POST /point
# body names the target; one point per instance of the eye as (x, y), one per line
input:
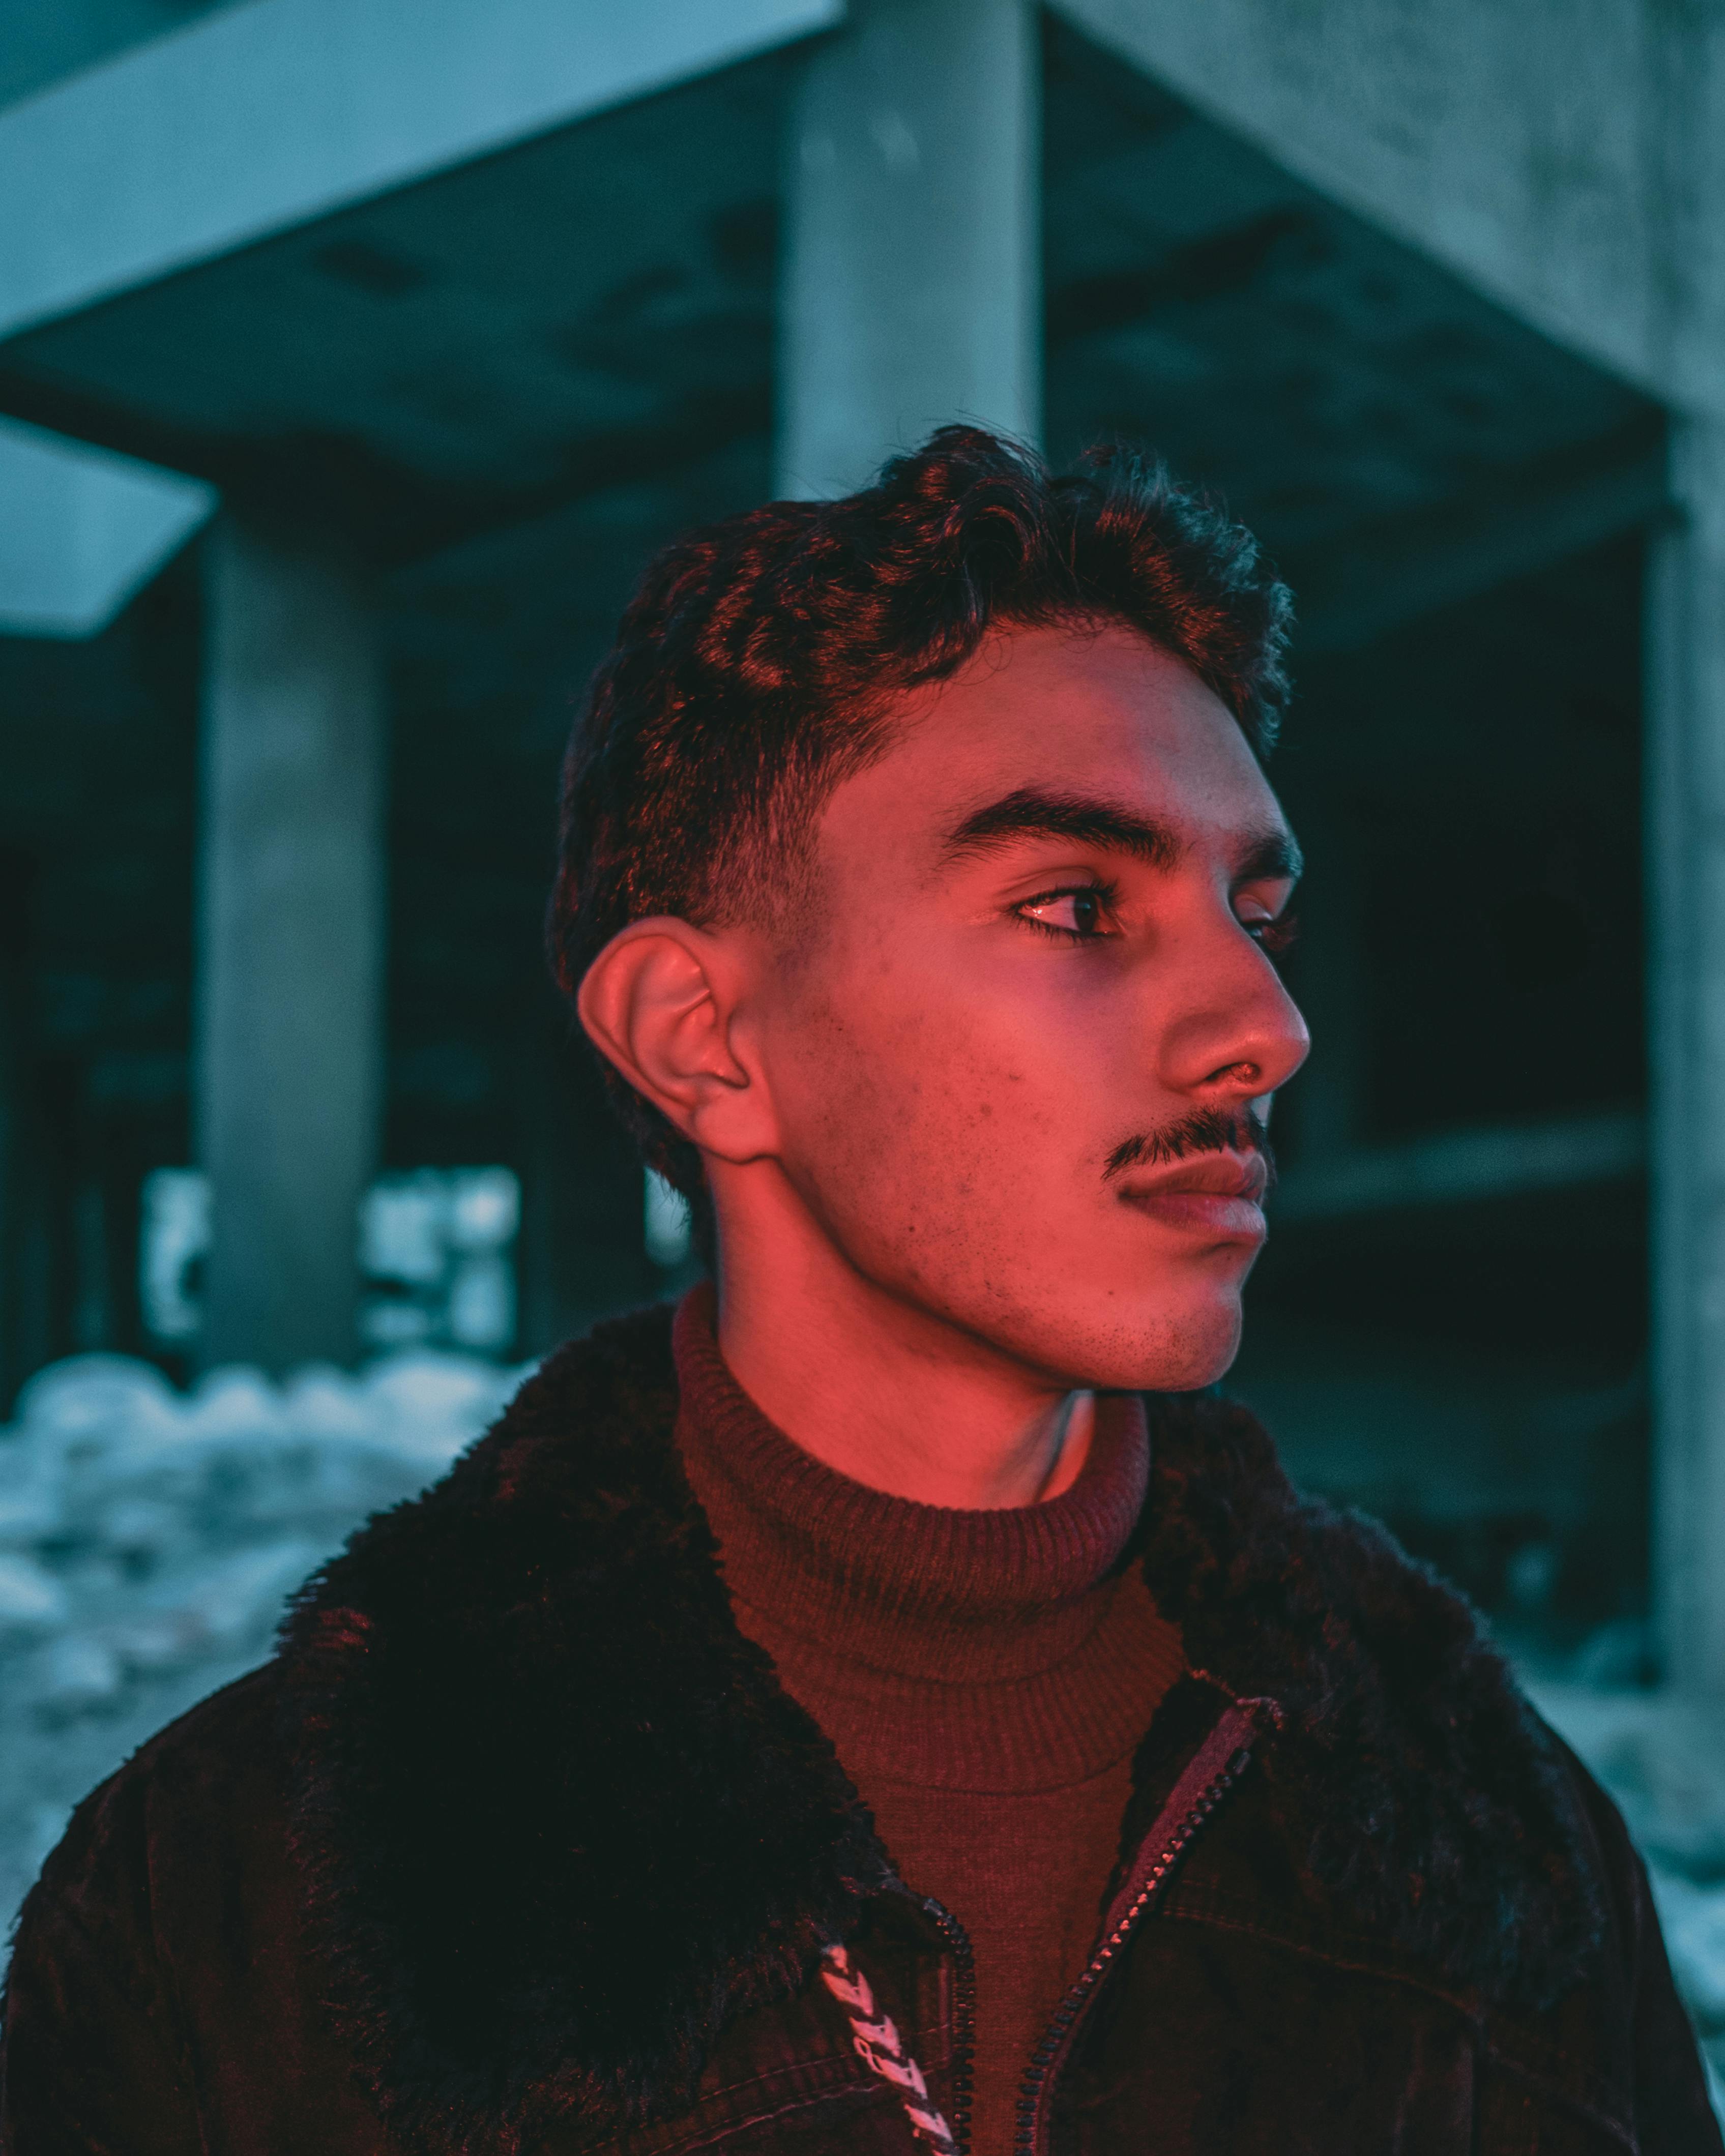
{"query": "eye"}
(1079, 912)
(1274, 936)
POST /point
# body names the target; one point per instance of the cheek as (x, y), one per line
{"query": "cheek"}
(908, 1109)
(957, 1158)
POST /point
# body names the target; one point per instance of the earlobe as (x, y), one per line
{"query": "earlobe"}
(659, 1003)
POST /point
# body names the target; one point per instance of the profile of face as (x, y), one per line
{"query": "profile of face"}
(1005, 1073)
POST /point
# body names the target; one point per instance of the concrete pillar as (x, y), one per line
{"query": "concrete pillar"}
(1685, 848)
(23, 1262)
(290, 942)
(912, 277)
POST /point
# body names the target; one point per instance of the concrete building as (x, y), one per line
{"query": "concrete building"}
(436, 318)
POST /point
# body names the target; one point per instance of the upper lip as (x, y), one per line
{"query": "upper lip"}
(1214, 1174)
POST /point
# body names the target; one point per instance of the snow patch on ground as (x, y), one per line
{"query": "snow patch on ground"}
(149, 1537)
(1663, 1759)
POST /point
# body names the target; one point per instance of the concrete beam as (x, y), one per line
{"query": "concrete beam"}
(44, 41)
(291, 944)
(912, 291)
(1452, 1168)
(263, 117)
(1566, 156)
(1685, 810)
(83, 531)
(1404, 567)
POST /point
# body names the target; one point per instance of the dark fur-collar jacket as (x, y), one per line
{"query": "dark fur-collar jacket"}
(557, 1826)
(480, 1857)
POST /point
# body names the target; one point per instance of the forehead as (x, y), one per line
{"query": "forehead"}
(1099, 712)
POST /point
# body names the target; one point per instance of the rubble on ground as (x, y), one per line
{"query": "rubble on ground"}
(1663, 1758)
(148, 1538)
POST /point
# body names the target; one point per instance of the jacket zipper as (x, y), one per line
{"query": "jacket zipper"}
(1218, 1764)
(964, 2018)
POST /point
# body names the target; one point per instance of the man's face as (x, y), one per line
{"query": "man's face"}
(1035, 1005)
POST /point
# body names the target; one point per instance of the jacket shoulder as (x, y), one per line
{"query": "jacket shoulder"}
(97, 2050)
(187, 1806)
(1421, 1792)
(508, 1700)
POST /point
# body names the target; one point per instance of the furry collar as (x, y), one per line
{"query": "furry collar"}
(559, 1822)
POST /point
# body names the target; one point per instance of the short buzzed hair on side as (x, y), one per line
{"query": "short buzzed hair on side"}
(752, 668)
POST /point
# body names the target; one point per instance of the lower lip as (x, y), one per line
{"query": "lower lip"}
(1204, 1211)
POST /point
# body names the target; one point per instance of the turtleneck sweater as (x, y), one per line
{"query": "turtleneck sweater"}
(985, 1677)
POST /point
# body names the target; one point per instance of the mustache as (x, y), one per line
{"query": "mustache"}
(1205, 1130)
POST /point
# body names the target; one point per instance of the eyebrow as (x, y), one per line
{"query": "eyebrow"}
(1031, 813)
(1272, 856)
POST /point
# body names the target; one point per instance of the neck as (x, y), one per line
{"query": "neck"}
(890, 1395)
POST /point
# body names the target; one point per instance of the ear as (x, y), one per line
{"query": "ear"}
(661, 1002)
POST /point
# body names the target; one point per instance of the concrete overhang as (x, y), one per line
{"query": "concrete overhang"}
(274, 114)
(574, 288)
(425, 268)
(1399, 441)
(83, 531)
(1568, 162)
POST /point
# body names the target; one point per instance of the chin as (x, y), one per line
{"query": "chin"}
(1183, 1364)
(1191, 1366)
(1162, 1345)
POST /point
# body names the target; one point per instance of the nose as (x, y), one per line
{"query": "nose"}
(1241, 1036)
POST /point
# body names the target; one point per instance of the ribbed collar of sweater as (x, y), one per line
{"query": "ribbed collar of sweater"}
(1018, 1635)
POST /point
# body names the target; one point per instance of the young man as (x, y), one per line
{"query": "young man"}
(892, 1701)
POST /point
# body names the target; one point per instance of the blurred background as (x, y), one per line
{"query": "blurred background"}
(354, 355)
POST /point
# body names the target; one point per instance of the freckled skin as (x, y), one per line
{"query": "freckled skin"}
(907, 1099)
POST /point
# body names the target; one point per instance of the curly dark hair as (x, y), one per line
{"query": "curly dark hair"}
(752, 671)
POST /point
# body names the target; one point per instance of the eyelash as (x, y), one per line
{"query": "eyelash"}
(1107, 895)
(1274, 937)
